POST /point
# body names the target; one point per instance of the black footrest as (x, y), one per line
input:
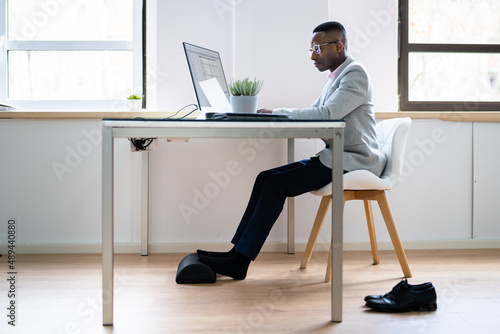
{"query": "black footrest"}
(192, 270)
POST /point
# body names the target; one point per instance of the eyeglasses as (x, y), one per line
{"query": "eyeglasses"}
(317, 48)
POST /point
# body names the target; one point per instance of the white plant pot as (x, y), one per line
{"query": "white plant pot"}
(134, 105)
(244, 104)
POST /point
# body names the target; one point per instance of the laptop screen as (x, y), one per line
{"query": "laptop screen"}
(204, 64)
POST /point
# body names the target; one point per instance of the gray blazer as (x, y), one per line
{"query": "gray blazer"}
(349, 96)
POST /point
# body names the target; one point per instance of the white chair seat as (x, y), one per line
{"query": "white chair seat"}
(359, 180)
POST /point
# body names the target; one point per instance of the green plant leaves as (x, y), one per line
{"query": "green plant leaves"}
(245, 87)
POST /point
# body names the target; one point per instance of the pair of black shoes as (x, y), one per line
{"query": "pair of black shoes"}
(405, 297)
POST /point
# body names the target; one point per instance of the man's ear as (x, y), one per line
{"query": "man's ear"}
(339, 46)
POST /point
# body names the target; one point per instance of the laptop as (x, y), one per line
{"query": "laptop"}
(211, 89)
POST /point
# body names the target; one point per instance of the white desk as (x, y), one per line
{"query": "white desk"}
(219, 129)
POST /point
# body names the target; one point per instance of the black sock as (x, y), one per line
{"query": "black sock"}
(235, 266)
(217, 254)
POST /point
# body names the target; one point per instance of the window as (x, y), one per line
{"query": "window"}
(449, 55)
(70, 55)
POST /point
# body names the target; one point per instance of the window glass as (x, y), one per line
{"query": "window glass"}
(70, 75)
(83, 20)
(454, 21)
(454, 77)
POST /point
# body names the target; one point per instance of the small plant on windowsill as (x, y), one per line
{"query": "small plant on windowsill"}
(134, 103)
(134, 97)
(244, 95)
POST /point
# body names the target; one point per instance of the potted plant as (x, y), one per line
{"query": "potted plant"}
(244, 95)
(134, 103)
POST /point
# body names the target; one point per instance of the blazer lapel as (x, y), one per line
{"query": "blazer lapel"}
(333, 84)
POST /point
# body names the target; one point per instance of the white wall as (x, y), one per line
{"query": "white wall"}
(205, 23)
(50, 170)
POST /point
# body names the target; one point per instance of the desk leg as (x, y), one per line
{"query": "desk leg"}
(291, 205)
(145, 204)
(337, 224)
(107, 226)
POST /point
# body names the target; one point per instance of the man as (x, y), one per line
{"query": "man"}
(346, 95)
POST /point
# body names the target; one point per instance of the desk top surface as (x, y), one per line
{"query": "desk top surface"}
(188, 123)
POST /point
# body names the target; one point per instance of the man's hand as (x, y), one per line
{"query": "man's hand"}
(264, 111)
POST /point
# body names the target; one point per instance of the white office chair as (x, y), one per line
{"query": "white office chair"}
(364, 185)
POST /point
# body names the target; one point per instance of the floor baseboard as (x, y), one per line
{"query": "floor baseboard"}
(268, 247)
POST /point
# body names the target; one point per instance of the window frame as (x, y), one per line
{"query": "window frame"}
(405, 48)
(135, 45)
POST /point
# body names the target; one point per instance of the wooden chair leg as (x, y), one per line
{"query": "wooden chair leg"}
(318, 223)
(393, 233)
(371, 230)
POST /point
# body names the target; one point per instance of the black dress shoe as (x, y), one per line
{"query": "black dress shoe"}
(404, 282)
(402, 298)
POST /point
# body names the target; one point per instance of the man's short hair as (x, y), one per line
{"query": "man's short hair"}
(331, 26)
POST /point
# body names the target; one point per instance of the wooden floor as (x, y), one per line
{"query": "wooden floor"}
(62, 294)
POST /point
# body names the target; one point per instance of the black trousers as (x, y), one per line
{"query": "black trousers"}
(270, 190)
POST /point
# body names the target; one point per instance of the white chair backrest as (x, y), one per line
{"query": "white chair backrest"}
(392, 135)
